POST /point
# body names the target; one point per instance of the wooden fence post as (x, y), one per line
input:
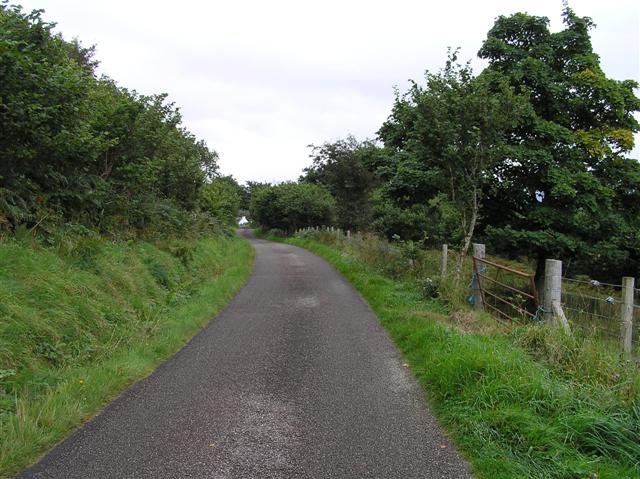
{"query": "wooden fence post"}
(626, 331)
(478, 252)
(443, 261)
(552, 288)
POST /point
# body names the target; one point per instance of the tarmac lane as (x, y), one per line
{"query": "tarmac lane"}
(296, 378)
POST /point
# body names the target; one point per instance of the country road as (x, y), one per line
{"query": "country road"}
(294, 379)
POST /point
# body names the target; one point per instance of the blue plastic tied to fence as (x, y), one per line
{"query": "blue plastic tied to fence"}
(537, 316)
(474, 277)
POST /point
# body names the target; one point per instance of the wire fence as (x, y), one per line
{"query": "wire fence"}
(505, 289)
(597, 307)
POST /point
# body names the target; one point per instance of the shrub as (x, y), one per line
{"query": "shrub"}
(290, 206)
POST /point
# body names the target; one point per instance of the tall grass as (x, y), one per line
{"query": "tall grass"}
(81, 321)
(520, 402)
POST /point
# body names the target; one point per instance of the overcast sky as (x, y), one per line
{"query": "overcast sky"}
(261, 80)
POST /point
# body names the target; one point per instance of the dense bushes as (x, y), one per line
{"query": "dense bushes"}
(75, 148)
(290, 206)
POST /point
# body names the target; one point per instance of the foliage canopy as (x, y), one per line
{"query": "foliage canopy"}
(77, 148)
(289, 206)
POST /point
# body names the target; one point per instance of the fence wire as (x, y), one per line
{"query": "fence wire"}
(635, 338)
(596, 307)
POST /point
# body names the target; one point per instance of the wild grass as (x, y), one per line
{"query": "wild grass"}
(81, 321)
(520, 402)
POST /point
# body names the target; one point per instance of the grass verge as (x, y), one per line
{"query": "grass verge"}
(519, 403)
(82, 321)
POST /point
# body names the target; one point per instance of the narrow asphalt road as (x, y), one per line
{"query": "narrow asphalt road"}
(294, 379)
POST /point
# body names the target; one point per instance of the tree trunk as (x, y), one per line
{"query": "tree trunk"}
(469, 230)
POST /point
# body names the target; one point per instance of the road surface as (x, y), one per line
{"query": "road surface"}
(294, 379)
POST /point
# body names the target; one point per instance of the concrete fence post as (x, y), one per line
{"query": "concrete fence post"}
(478, 252)
(349, 234)
(626, 326)
(443, 260)
(552, 289)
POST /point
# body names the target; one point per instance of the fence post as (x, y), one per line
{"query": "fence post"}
(349, 234)
(626, 331)
(552, 288)
(478, 252)
(443, 261)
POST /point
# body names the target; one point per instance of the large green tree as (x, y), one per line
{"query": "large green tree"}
(449, 135)
(564, 189)
(249, 190)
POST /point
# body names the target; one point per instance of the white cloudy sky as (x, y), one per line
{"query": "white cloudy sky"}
(261, 80)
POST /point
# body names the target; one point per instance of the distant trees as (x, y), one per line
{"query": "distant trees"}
(341, 167)
(75, 148)
(289, 206)
(249, 190)
(221, 197)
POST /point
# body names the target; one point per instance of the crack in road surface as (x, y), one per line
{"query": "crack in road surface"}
(294, 379)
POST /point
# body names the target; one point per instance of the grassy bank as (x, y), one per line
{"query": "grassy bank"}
(520, 402)
(81, 321)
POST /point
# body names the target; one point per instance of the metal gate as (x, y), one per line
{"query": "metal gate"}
(504, 291)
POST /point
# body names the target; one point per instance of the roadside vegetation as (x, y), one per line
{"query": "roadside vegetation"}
(81, 322)
(116, 241)
(519, 400)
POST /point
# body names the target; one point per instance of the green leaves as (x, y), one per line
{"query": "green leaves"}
(558, 179)
(343, 168)
(81, 145)
(446, 138)
(534, 144)
(289, 206)
(221, 198)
